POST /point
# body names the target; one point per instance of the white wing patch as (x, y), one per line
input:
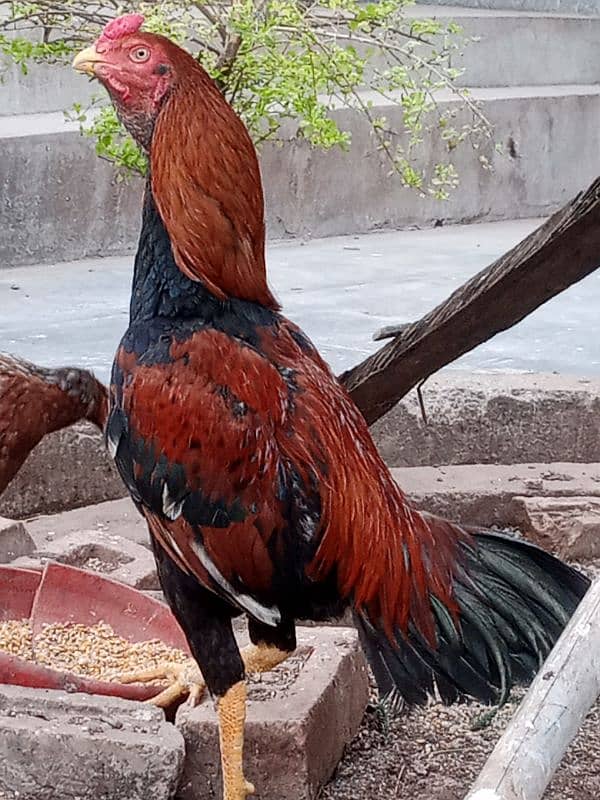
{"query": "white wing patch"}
(270, 615)
(171, 507)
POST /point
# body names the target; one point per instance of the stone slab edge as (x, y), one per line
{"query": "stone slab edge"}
(491, 495)
(54, 744)
(130, 563)
(15, 540)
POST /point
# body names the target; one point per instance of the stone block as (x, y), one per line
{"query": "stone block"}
(295, 739)
(112, 517)
(569, 526)
(15, 540)
(59, 746)
(485, 494)
(68, 469)
(493, 418)
(118, 558)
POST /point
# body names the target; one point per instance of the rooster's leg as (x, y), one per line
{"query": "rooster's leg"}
(185, 679)
(262, 657)
(206, 622)
(270, 646)
(231, 709)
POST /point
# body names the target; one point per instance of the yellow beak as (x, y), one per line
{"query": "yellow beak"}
(85, 61)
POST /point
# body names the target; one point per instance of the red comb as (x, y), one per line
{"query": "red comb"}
(122, 26)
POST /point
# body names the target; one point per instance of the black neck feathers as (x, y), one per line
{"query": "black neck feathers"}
(161, 290)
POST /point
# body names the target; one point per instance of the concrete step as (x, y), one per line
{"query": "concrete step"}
(58, 197)
(60, 202)
(45, 87)
(522, 48)
(514, 49)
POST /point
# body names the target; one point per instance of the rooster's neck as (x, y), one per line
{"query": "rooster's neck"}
(159, 288)
(207, 188)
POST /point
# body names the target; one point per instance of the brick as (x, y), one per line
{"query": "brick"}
(118, 558)
(15, 540)
(293, 743)
(59, 746)
(569, 526)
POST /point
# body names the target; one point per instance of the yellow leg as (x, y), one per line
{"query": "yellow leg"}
(186, 679)
(231, 709)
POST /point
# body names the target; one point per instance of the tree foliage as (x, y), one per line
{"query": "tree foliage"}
(290, 68)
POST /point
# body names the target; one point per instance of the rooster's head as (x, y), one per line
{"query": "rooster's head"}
(138, 70)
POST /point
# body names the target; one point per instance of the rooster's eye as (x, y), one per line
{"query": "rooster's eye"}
(140, 54)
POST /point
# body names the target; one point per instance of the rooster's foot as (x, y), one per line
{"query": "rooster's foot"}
(185, 681)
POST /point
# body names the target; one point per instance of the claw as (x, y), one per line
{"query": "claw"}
(185, 681)
(240, 792)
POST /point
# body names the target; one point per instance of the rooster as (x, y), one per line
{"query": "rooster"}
(35, 401)
(263, 491)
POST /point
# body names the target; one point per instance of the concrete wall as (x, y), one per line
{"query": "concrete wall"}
(583, 7)
(60, 202)
(540, 79)
(45, 88)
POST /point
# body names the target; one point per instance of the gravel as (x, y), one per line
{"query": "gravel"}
(436, 752)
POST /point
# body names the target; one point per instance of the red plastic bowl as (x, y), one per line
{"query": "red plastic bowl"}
(64, 594)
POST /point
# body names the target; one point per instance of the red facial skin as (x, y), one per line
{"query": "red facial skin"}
(138, 73)
(135, 71)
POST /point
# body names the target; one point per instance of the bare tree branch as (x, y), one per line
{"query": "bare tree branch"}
(559, 253)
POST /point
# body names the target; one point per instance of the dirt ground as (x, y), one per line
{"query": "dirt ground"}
(436, 752)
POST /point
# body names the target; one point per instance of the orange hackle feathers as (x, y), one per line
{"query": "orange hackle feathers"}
(208, 188)
(387, 556)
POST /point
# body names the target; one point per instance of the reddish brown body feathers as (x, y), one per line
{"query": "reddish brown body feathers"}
(386, 556)
(208, 195)
(35, 401)
(366, 521)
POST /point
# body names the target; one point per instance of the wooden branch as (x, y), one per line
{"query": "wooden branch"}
(528, 754)
(559, 253)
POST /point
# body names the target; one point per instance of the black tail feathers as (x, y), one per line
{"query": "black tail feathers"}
(514, 600)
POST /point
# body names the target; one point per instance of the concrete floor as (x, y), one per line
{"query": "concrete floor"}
(340, 290)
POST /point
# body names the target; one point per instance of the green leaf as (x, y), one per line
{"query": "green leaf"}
(292, 69)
